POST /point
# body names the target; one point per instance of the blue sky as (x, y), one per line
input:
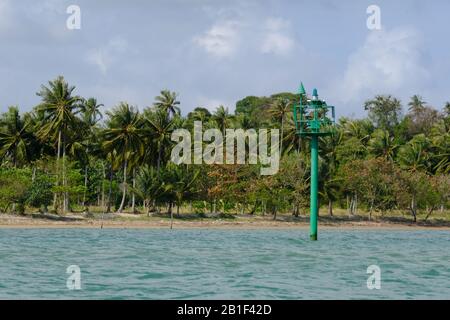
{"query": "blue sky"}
(217, 52)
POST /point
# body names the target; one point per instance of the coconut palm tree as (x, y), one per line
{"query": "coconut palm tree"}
(415, 155)
(149, 187)
(90, 115)
(360, 129)
(199, 114)
(179, 182)
(329, 185)
(278, 110)
(222, 118)
(90, 111)
(292, 141)
(167, 102)
(329, 189)
(58, 109)
(160, 129)
(416, 104)
(384, 111)
(15, 138)
(110, 158)
(382, 144)
(440, 145)
(124, 135)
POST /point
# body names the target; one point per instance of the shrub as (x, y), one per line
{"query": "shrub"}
(14, 184)
(40, 194)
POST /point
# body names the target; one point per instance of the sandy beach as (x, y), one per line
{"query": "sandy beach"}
(234, 222)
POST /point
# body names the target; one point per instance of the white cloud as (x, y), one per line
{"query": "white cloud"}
(225, 38)
(99, 58)
(277, 24)
(277, 39)
(387, 61)
(277, 43)
(105, 56)
(221, 40)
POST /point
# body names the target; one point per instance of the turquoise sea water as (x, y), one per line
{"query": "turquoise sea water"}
(223, 264)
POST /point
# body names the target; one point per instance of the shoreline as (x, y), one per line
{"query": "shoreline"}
(238, 222)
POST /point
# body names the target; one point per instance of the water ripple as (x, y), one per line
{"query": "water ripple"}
(223, 264)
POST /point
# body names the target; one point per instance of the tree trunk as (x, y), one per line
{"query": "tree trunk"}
(348, 206)
(214, 206)
(413, 208)
(282, 134)
(133, 196)
(58, 156)
(158, 164)
(330, 207)
(65, 195)
(353, 205)
(429, 211)
(274, 212)
(148, 207)
(370, 210)
(252, 212)
(124, 194)
(297, 211)
(85, 186)
(110, 189)
(103, 187)
(15, 156)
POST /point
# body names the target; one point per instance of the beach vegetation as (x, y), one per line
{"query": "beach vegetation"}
(73, 154)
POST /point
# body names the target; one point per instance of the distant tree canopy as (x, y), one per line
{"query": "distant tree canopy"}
(384, 111)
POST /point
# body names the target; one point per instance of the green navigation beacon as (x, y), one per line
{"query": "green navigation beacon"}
(312, 118)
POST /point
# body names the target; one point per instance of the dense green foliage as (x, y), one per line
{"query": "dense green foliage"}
(67, 154)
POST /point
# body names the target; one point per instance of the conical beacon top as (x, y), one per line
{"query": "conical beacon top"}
(302, 89)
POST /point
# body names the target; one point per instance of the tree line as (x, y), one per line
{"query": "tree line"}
(67, 155)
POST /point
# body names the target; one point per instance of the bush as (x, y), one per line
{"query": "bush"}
(14, 184)
(40, 195)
